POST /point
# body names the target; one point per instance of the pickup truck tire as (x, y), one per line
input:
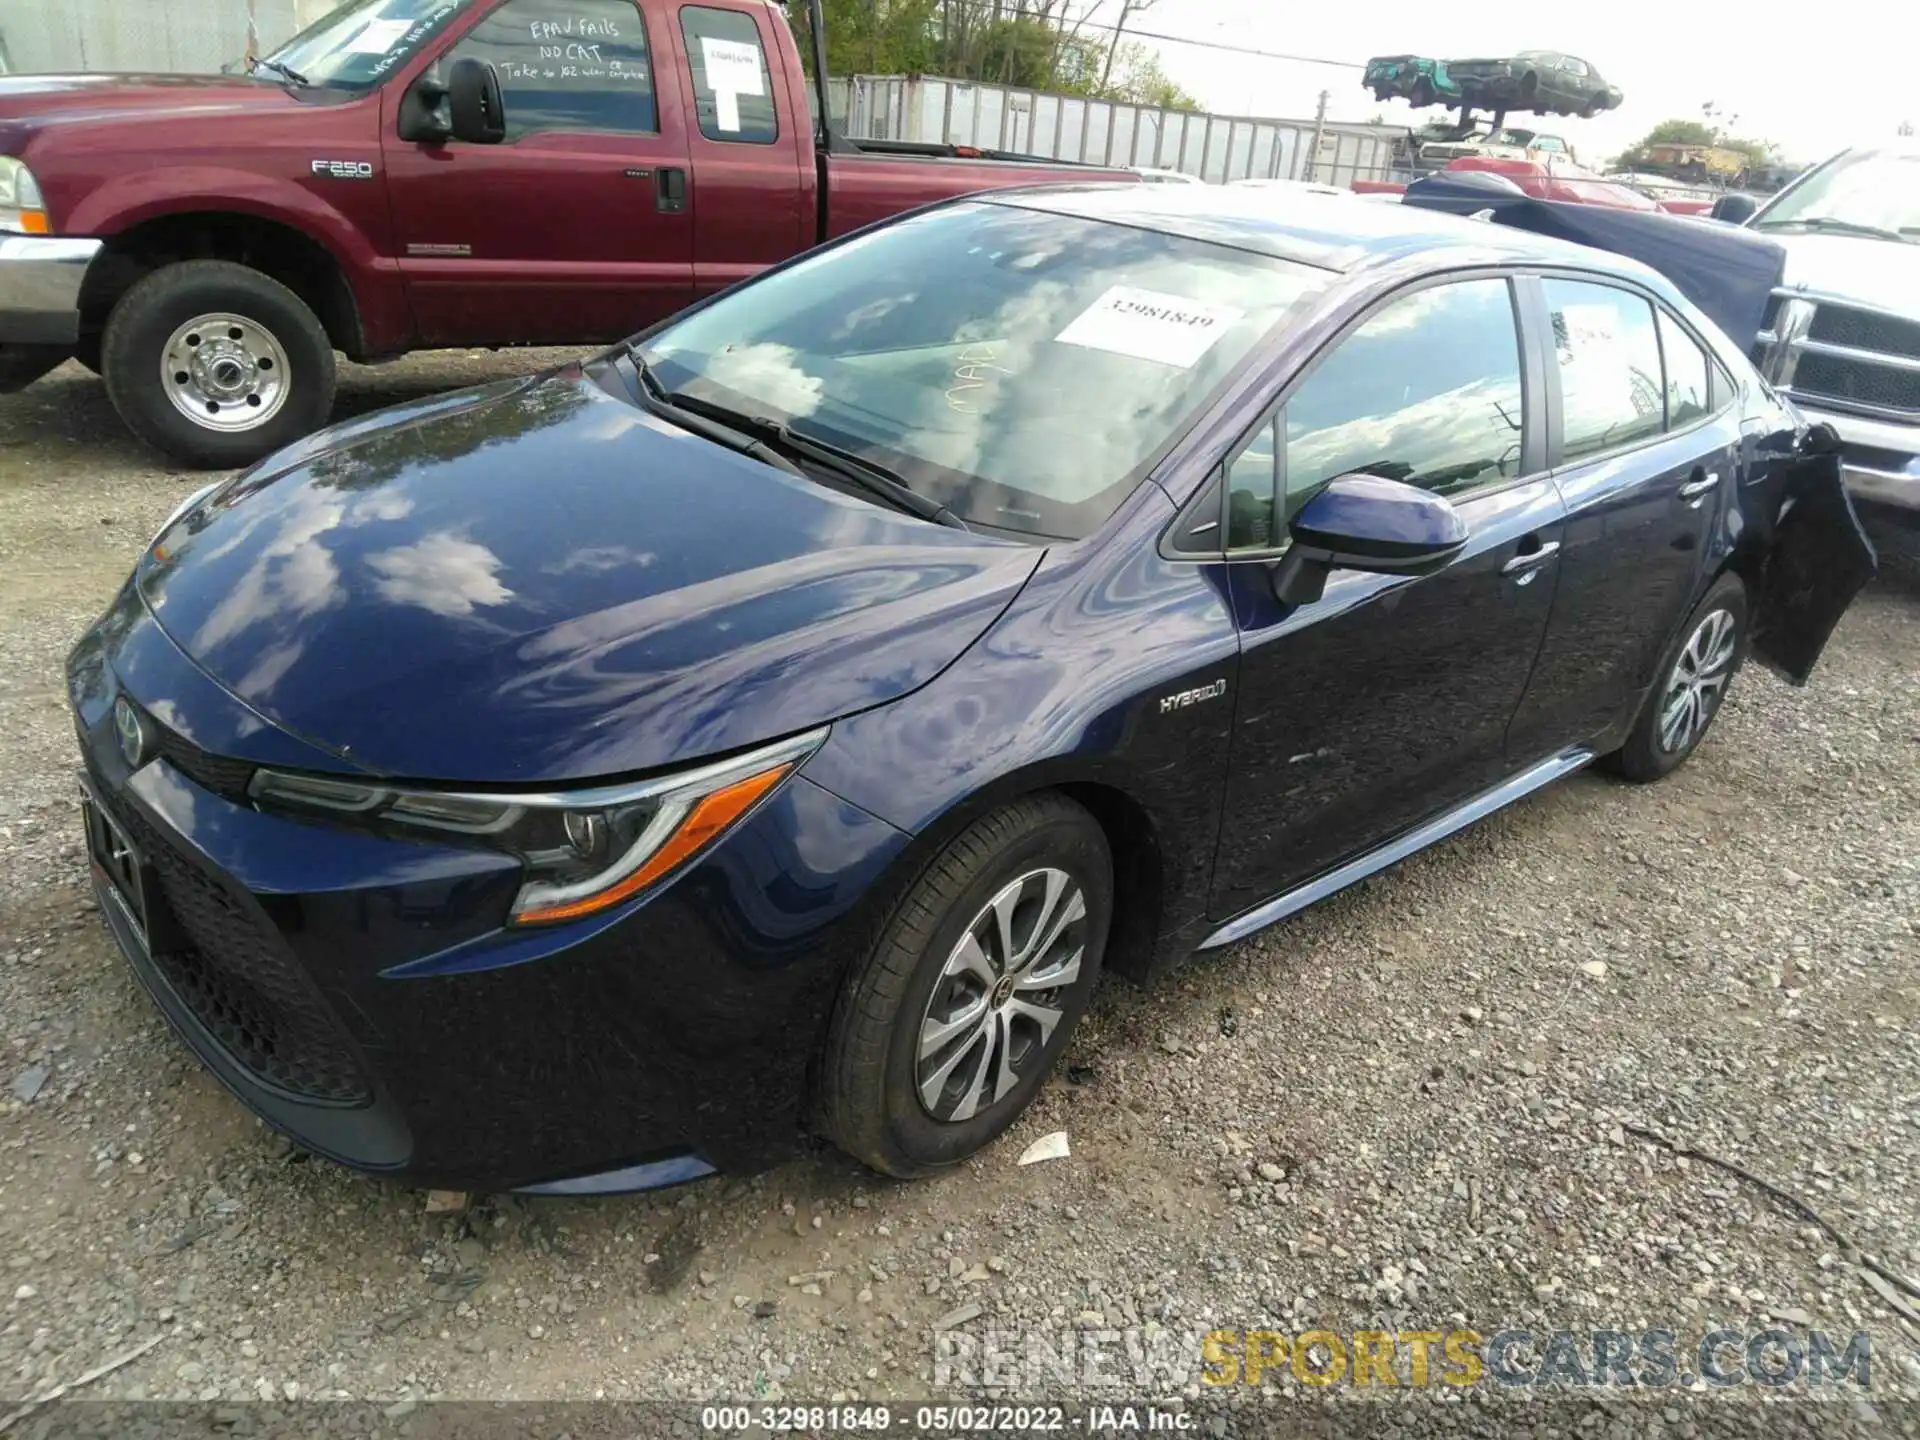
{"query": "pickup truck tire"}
(216, 364)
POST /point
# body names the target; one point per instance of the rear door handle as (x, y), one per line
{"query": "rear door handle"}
(669, 189)
(1528, 562)
(1694, 489)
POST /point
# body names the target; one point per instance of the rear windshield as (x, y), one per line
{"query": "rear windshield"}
(1023, 368)
(364, 41)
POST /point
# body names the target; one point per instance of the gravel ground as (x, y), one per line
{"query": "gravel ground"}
(1419, 1105)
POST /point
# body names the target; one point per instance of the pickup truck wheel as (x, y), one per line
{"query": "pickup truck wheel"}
(947, 1029)
(217, 364)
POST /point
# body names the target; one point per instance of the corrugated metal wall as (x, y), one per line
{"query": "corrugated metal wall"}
(1068, 127)
(179, 35)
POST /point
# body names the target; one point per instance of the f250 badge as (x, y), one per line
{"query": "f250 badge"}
(1180, 701)
(343, 169)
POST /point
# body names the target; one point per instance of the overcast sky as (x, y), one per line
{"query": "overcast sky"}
(1802, 79)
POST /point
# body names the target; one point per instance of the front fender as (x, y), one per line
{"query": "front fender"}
(126, 201)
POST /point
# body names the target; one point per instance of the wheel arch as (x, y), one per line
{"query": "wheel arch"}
(295, 258)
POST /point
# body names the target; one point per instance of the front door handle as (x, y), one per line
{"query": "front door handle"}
(1696, 488)
(1528, 562)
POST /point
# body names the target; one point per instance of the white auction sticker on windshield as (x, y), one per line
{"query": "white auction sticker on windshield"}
(1149, 325)
(732, 66)
(379, 37)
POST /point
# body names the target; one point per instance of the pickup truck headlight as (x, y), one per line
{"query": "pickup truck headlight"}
(23, 209)
(585, 851)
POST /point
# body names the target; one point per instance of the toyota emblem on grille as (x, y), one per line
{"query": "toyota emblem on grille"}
(132, 731)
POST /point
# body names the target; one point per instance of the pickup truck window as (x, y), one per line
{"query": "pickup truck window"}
(568, 65)
(358, 45)
(1024, 369)
(1862, 192)
(732, 87)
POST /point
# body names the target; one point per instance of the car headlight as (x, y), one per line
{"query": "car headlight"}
(23, 209)
(584, 851)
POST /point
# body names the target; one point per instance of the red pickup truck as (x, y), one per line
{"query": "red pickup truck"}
(416, 173)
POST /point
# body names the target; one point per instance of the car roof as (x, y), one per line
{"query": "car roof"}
(1301, 225)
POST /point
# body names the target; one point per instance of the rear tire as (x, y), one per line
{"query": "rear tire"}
(1695, 674)
(903, 1057)
(216, 364)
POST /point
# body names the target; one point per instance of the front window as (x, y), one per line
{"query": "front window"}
(1023, 368)
(1873, 192)
(361, 43)
(1519, 139)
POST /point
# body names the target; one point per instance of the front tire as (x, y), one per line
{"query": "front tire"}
(1695, 674)
(945, 1032)
(217, 365)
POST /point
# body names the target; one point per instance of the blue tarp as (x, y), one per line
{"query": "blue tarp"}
(1730, 273)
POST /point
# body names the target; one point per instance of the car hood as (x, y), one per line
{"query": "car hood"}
(1882, 274)
(30, 102)
(538, 582)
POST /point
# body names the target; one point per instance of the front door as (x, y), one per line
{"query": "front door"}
(579, 226)
(1387, 700)
(1648, 449)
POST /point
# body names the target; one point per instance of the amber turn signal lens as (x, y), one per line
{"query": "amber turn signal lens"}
(35, 222)
(705, 822)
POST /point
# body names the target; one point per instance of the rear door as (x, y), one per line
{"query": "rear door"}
(752, 159)
(1388, 700)
(576, 228)
(1647, 443)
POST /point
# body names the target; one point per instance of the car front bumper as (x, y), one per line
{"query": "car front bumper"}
(40, 283)
(1880, 459)
(364, 996)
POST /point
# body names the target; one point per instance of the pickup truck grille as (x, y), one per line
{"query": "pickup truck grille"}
(1843, 356)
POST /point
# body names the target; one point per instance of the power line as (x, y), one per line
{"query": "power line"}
(1215, 45)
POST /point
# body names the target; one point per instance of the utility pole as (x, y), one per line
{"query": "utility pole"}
(1319, 128)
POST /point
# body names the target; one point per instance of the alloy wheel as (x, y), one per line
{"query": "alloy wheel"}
(225, 372)
(1698, 682)
(1000, 995)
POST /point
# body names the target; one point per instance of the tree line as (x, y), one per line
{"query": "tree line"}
(1074, 47)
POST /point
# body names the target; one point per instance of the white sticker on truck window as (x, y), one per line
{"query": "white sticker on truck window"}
(726, 112)
(1149, 325)
(733, 67)
(379, 37)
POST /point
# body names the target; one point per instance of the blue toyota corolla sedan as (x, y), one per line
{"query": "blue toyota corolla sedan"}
(777, 724)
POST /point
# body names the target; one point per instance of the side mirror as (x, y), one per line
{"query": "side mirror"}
(1735, 208)
(461, 102)
(1365, 522)
(473, 95)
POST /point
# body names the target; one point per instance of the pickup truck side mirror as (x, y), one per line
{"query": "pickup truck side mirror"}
(1366, 522)
(461, 102)
(473, 95)
(1735, 208)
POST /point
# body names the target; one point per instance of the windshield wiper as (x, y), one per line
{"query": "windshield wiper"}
(856, 470)
(1838, 227)
(287, 71)
(652, 396)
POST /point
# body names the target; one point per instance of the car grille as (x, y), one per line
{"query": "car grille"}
(1857, 382)
(210, 772)
(1866, 330)
(1851, 358)
(237, 978)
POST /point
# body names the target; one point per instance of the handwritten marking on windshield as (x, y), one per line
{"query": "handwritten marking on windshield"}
(971, 374)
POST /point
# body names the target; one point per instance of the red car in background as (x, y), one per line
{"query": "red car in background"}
(1550, 179)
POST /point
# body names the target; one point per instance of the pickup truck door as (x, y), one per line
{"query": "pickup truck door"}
(579, 227)
(749, 139)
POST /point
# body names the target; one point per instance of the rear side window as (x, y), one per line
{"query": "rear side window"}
(1611, 386)
(1427, 390)
(732, 87)
(1688, 396)
(571, 65)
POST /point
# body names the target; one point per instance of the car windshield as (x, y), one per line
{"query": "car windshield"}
(1875, 192)
(1522, 138)
(1025, 369)
(362, 42)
